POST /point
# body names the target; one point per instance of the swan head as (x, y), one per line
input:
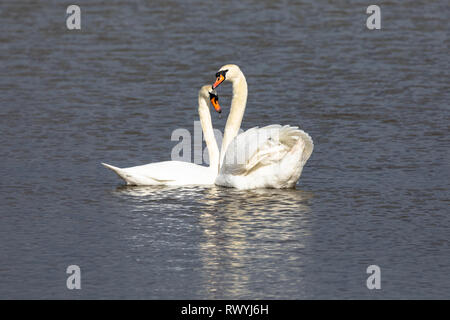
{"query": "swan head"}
(229, 72)
(209, 94)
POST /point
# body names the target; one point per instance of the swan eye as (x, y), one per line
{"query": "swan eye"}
(214, 96)
(220, 77)
(221, 73)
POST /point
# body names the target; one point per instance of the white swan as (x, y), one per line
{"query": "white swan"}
(179, 172)
(268, 157)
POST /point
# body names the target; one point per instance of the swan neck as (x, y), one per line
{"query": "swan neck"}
(234, 121)
(208, 133)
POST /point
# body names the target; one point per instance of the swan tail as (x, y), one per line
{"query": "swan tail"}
(119, 171)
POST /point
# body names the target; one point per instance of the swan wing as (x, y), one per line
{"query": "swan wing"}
(259, 147)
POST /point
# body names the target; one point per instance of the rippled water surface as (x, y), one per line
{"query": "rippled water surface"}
(375, 190)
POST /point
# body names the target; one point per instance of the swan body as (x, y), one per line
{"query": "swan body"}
(267, 157)
(174, 173)
(178, 173)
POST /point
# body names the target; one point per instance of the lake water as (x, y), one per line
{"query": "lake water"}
(374, 192)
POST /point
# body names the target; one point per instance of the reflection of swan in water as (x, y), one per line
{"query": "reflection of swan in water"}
(246, 239)
(148, 198)
(238, 240)
(264, 203)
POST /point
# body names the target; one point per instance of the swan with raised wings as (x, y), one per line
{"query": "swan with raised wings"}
(179, 172)
(267, 157)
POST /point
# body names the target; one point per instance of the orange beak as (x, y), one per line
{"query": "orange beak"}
(219, 80)
(215, 103)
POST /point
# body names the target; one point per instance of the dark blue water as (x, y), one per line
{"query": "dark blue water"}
(375, 190)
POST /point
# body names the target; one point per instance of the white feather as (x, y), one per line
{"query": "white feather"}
(268, 157)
